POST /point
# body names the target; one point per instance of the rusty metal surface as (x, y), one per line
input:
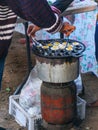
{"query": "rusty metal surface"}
(53, 62)
(58, 105)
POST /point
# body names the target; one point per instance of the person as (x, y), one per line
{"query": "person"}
(38, 12)
(57, 7)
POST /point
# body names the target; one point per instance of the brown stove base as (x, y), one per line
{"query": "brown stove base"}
(47, 126)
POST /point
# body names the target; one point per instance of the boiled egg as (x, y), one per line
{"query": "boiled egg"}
(45, 47)
(56, 43)
(54, 48)
(75, 43)
(69, 48)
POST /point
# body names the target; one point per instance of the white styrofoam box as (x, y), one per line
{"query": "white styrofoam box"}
(26, 120)
(21, 116)
(81, 108)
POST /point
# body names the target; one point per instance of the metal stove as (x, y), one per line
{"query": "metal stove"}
(58, 68)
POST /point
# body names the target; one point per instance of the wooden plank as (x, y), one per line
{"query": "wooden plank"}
(80, 8)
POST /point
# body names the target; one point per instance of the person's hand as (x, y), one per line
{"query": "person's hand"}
(32, 29)
(67, 29)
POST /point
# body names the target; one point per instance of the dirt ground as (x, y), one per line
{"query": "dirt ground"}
(15, 71)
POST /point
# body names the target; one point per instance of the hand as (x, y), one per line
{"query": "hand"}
(32, 29)
(67, 29)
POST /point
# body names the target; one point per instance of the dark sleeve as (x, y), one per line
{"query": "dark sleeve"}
(36, 11)
(62, 4)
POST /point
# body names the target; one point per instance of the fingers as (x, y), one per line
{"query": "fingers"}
(67, 29)
(32, 29)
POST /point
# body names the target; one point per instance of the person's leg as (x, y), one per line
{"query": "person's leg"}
(2, 61)
(4, 46)
(7, 26)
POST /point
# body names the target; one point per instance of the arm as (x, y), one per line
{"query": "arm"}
(38, 12)
(58, 7)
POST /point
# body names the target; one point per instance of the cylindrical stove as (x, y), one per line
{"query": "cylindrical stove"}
(58, 100)
(57, 63)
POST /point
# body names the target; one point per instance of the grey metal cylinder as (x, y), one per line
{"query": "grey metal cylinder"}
(57, 70)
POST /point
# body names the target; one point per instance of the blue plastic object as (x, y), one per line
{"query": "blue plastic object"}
(96, 40)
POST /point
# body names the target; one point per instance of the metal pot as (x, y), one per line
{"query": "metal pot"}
(57, 70)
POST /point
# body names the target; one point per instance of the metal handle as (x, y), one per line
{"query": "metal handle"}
(67, 39)
(36, 42)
